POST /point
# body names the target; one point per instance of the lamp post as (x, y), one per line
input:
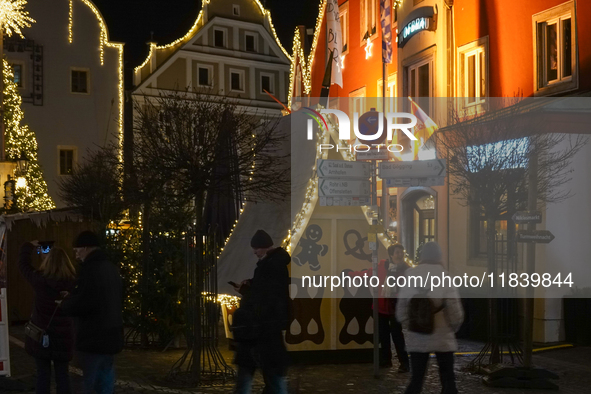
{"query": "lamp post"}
(22, 165)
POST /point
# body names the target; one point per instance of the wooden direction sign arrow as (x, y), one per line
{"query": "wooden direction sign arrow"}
(343, 187)
(343, 168)
(537, 236)
(408, 182)
(412, 169)
(521, 217)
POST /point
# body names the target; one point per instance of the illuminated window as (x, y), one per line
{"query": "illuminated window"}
(344, 18)
(473, 64)
(368, 25)
(79, 81)
(420, 84)
(555, 49)
(17, 70)
(390, 93)
(357, 102)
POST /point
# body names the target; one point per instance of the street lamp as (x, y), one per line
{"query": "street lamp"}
(22, 165)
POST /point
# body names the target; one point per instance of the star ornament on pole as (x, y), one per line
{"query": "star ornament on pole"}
(13, 17)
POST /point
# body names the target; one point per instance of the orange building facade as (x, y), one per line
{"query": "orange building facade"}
(476, 50)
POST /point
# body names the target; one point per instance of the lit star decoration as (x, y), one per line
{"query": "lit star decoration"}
(368, 45)
(13, 16)
(32, 194)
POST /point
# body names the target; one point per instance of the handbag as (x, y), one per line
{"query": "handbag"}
(244, 327)
(38, 334)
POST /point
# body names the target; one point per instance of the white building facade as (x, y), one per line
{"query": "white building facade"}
(231, 50)
(70, 77)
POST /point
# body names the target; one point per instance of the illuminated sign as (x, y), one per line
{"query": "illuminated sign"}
(414, 27)
(418, 23)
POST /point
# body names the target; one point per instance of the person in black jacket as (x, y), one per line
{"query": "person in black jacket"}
(55, 275)
(266, 300)
(97, 302)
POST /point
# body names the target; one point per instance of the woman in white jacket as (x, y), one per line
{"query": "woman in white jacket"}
(446, 321)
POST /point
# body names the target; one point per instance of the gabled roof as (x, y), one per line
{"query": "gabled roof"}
(177, 44)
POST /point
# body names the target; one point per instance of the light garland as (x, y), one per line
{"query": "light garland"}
(298, 57)
(71, 22)
(317, 28)
(104, 41)
(13, 16)
(195, 27)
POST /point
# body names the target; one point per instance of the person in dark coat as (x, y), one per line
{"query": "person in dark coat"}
(55, 275)
(266, 300)
(97, 302)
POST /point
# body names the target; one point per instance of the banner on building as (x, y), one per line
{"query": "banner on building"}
(386, 20)
(335, 41)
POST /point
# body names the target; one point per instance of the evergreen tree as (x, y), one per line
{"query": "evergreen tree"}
(20, 140)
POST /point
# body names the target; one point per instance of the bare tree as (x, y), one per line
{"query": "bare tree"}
(94, 187)
(489, 164)
(205, 155)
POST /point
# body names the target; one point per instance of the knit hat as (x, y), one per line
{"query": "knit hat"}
(86, 239)
(261, 240)
(431, 251)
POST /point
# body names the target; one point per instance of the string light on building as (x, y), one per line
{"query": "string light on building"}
(103, 42)
(70, 22)
(199, 23)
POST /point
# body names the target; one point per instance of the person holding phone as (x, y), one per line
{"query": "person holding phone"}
(55, 276)
(264, 310)
(97, 302)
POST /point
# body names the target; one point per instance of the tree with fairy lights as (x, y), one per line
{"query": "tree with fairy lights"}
(20, 140)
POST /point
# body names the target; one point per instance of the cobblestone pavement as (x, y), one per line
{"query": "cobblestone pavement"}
(144, 371)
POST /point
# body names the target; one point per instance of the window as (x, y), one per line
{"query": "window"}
(236, 9)
(205, 76)
(237, 80)
(219, 38)
(420, 84)
(250, 42)
(474, 71)
(344, 18)
(390, 93)
(267, 82)
(555, 49)
(357, 102)
(79, 81)
(368, 19)
(17, 70)
(67, 159)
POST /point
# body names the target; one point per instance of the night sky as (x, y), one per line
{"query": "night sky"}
(133, 21)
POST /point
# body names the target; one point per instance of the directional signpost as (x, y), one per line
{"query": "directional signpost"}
(412, 169)
(343, 169)
(523, 217)
(409, 182)
(536, 236)
(343, 188)
(343, 183)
